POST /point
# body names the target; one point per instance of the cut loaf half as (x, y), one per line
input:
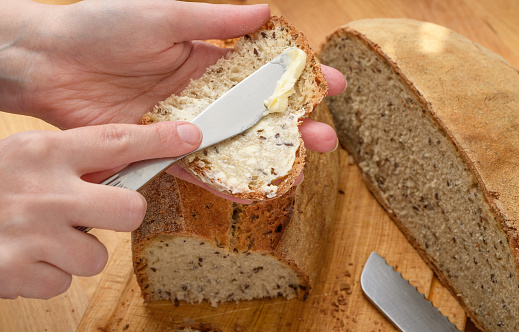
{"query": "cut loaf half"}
(194, 246)
(263, 162)
(432, 119)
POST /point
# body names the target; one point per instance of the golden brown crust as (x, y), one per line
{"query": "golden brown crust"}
(313, 66)
(313, 209)
(477, 112)
(292, 228)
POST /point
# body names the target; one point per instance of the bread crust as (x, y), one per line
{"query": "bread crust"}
(292, 229)
(286, 182)
(475, 107)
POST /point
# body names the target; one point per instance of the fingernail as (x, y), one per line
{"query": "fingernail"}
(189, 133)
(336, 145)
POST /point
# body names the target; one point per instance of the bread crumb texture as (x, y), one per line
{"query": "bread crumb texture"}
(416, 121)
(264, 161)
(204, 273)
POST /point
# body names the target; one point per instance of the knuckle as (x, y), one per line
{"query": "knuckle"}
(162, 135)
(35, 145)
(118, 137)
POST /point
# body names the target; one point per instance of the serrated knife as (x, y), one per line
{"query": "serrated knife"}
(237, 110)
(400, 302)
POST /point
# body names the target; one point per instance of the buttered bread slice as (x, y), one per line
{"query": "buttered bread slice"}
(263, 162)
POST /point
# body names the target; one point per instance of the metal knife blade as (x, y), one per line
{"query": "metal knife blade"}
(234, 112)
(400, 302)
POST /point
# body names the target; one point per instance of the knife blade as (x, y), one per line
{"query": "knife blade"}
(234, 112)
(400, 302)
(237, 110)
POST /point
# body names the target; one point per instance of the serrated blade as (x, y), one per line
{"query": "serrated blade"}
(400, 302)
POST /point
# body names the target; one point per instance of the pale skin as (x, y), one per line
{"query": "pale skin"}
(94, 68)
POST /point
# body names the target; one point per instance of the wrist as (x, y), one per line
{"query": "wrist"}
(19, 54)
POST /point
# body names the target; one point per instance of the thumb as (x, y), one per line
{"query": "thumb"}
(110, 146)
(198, 21)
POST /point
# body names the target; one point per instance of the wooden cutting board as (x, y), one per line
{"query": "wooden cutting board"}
(362, 225)
(336, 303)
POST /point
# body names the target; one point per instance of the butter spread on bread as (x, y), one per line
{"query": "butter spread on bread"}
(264, 161)
(278, 102)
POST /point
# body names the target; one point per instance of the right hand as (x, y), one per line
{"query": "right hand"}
(46, 188)
(97, 61)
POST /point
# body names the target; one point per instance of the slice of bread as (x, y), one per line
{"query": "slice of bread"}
(263, 162)
(193, 246)
(432, 120)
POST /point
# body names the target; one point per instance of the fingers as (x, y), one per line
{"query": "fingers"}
(74, 252)
(41, 264)
(210, 21)
(22, 271)
(335, 79)
(110, 146)
(43, 281)
(106, 207)
(318, 136)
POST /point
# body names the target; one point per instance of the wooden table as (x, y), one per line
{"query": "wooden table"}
(364, 225)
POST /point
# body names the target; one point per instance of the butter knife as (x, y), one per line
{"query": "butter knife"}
(237, 110)
(400, 302)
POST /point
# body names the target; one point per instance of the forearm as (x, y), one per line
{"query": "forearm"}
(18, 53)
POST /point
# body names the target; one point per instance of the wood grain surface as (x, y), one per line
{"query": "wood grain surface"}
(335, 304)
(110, 301)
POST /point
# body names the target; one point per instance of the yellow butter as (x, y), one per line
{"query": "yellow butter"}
(278, 102)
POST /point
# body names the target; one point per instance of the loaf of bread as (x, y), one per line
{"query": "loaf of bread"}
(194, 246)
(432, 119)
(264, 161)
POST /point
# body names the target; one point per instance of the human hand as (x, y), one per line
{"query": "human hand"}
(47, 186)
(98, 61)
